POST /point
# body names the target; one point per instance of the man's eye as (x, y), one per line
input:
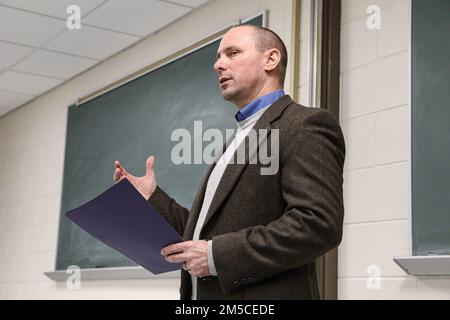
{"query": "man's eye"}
(233, 53)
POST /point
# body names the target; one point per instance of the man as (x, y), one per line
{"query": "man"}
(249, 235)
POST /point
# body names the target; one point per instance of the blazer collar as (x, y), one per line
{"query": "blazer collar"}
(275, 110)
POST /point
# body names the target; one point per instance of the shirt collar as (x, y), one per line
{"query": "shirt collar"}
(258, 104)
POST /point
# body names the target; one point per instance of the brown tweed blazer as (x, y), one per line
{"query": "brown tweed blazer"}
(268, 230)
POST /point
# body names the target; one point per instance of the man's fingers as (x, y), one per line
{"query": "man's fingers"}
(172, 249)
(149, 165)
(119, 172)
(117, 165)
(176, 258)
(175, 248)
(116, 174)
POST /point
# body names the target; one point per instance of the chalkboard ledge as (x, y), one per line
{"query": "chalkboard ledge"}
(436, 266)
(119, 273)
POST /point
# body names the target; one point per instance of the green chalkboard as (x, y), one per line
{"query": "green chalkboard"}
(129, 124)
(431, 127)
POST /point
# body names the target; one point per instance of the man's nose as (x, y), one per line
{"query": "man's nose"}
(219, 66)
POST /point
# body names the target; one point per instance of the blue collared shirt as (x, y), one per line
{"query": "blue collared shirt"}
(258, 104)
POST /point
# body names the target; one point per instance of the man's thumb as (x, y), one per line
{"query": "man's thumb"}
(149, 165)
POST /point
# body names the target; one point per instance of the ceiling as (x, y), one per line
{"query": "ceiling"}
(38, 51)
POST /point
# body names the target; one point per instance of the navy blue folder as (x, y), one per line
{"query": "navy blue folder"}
(122, 218)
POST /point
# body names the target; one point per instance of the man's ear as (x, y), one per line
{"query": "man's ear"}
(272, 59)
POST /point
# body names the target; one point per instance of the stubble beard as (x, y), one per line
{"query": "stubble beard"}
(233, 95)
(230, 94)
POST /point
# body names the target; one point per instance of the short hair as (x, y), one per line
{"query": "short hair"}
(267, 39)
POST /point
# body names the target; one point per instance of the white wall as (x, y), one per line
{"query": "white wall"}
(375, 117)
(32, 142)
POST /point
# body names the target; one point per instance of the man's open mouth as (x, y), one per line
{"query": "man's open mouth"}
(222, 80)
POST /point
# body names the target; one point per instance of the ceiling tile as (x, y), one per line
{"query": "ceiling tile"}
(26, 83)
(139, 17)
(51, 7)
(54, 64)
(27, 28)
(91, 42)
(10, 101)
(11, 53)
(190, 3)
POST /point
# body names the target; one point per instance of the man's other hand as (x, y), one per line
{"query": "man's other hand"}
(194, 255)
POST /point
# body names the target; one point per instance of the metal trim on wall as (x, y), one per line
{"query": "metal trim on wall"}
(327, 97)
(295, 48)
(323, 92)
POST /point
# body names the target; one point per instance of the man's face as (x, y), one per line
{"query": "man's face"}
(240, 66)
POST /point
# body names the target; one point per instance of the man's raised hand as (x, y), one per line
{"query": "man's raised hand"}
(146, 184)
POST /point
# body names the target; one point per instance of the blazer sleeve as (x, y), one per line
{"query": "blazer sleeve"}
(311, 168)
(175, 214)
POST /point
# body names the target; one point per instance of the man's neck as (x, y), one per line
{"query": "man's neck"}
(261, 93)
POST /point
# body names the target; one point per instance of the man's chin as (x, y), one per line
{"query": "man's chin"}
(228, 95)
